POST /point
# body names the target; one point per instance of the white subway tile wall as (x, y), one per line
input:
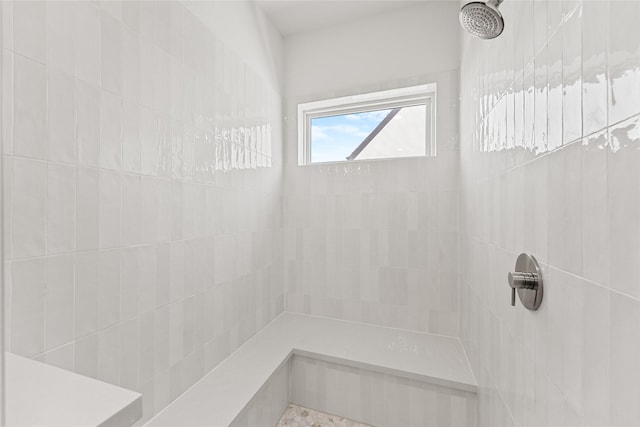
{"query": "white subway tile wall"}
(143, 222)
(375, 398)
(269, 403)
(376, 241)
(549, 165)
(356, 393)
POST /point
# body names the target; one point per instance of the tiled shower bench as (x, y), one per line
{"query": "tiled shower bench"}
(377, 375)
(38, 394)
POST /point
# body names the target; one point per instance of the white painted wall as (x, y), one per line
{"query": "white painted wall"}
(405, 43)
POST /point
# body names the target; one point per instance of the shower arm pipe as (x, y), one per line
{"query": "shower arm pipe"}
(495, 3)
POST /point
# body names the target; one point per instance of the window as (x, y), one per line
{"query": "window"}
(380, 125)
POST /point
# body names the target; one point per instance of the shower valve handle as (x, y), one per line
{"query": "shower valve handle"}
(527, 281)
(520, 280)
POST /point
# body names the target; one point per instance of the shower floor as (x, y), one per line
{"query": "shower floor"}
(298, 416)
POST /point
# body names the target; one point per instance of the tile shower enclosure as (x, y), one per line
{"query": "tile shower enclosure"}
(155, 218)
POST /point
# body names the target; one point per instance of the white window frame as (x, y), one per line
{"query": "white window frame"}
(394, 98)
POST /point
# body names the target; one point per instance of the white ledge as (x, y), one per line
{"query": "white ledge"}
(218, 398)
(38, 394)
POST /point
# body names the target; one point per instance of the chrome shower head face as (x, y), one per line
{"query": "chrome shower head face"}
(483, 20)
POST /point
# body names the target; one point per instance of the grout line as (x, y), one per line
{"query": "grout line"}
(4, 319)
(75, 245)
(574, 275)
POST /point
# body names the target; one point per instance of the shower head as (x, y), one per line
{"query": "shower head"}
(481, 19)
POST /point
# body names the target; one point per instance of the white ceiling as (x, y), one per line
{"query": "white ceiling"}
(296, 16)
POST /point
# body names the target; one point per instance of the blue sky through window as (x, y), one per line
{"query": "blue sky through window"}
(334, 138)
